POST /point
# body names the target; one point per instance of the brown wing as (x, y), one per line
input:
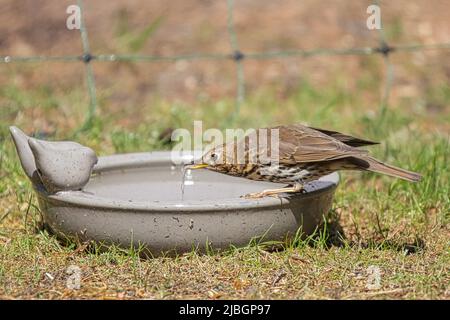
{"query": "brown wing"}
(347, 139)
(303, 144)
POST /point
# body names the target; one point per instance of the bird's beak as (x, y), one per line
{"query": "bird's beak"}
(198, 166)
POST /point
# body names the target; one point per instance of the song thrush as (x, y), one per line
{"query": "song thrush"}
(304, 154)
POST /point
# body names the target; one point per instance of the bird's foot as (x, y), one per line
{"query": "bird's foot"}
(259, 195)
(274, 192)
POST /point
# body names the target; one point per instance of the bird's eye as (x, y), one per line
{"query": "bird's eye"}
(214, 156)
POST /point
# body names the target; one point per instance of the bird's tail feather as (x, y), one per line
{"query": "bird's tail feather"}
(380, 167)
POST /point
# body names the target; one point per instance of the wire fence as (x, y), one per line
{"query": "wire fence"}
(384, 49)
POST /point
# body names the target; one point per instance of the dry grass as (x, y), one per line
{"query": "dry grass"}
(34, 266)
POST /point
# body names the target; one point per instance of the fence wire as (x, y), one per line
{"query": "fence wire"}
(384, 49)
(90, 79)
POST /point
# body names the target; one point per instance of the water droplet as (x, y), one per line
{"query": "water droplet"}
(188, 179)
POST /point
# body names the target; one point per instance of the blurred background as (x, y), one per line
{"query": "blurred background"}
(138, 102)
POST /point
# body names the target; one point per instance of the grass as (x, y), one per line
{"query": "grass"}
(398, 228)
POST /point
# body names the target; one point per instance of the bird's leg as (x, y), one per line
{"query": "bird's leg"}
(274, 192)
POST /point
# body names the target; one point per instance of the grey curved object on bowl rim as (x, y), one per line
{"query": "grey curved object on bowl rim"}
(58, 165)
(135, 200)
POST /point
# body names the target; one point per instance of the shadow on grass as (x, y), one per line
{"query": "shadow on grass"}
(407, 248)
(331, 234)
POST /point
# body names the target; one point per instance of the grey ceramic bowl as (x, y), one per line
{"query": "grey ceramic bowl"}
(136, 200)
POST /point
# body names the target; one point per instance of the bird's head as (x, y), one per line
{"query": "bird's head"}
(212, 159)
